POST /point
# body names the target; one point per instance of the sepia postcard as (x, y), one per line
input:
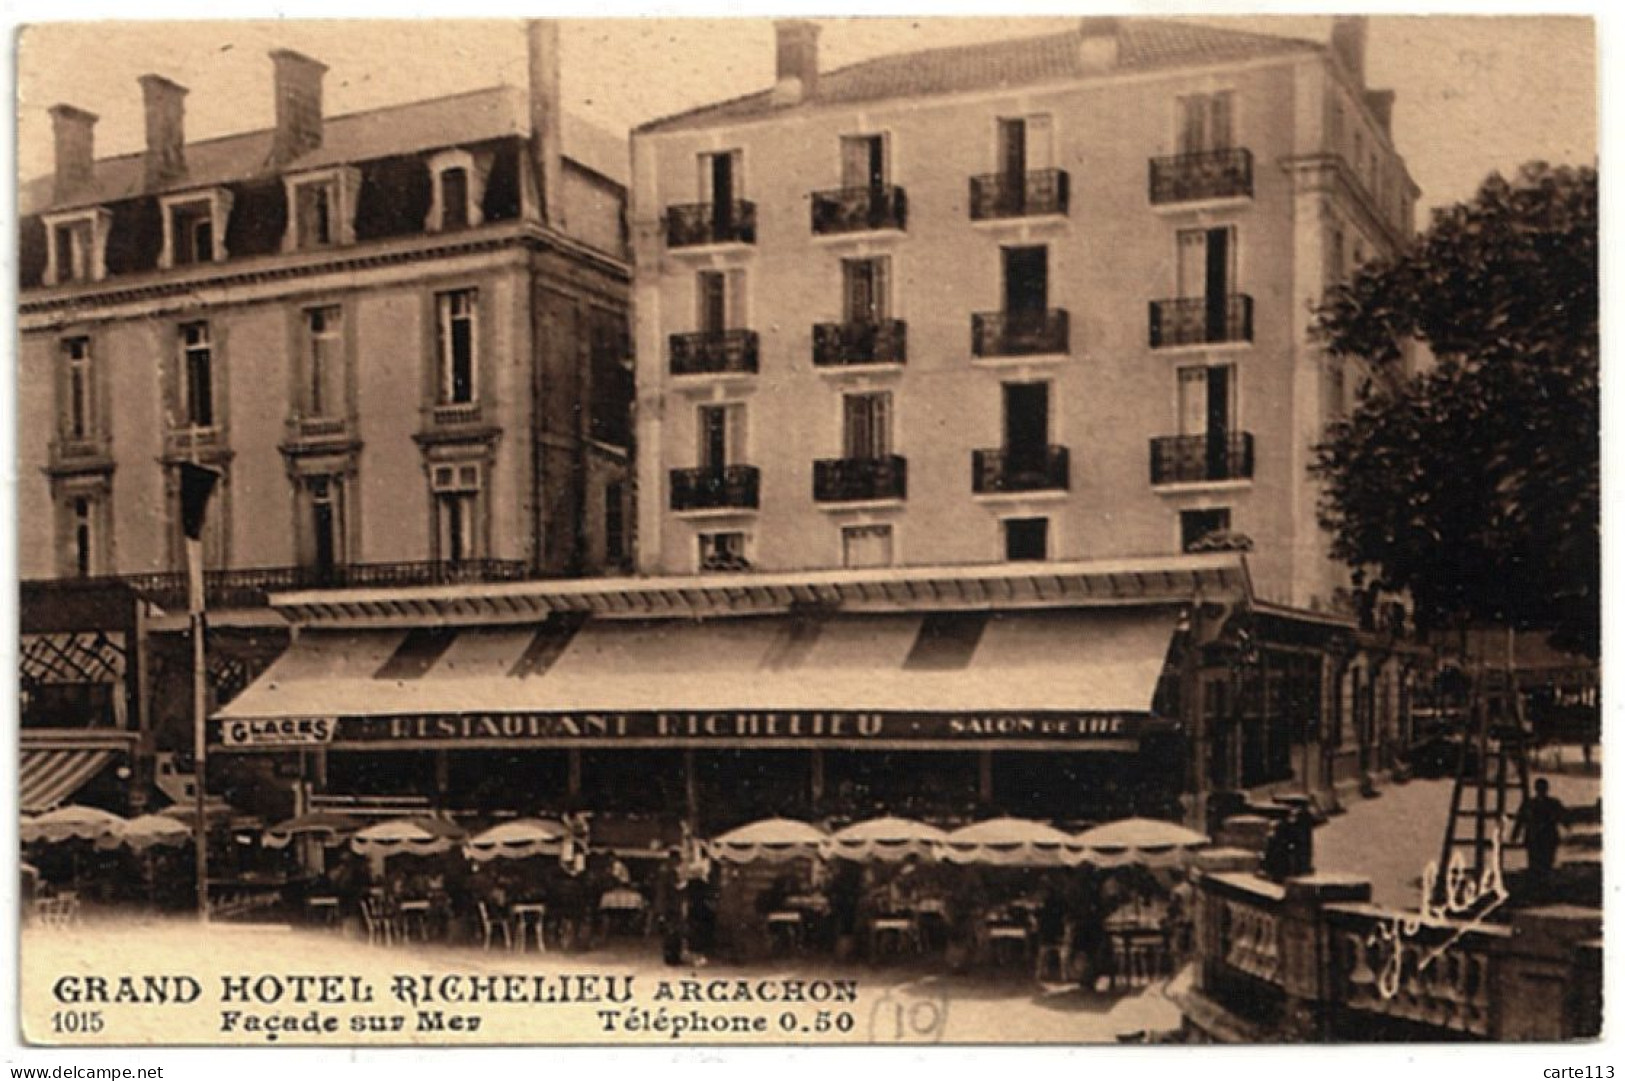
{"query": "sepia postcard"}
(808, 531)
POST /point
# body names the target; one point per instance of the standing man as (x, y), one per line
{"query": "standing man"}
(1539, 826)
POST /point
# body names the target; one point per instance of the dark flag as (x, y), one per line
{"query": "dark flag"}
(197, 484)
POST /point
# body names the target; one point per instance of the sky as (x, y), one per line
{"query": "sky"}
(1475, 94)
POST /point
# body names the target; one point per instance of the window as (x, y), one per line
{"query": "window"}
(1207, 400)
(866, 289)
(80, 415)
(1026, 539)
(1026, 426)
(1206, 122)
(1197, 525)
(457, 330)
(314, 203)
(1338, 271)
(1026, 280)
(863, 161)
(324, 362)
(1207, 263)
(323, 538)
(192, 233)
(723, 552)
(84, 538)
(866, 546)
(719, 300)
(1025, 145)
(866, 425)
(722, 180)
(72, 244)
(457, 508)
(454, 198)
(721, 435)
(615, 522)
(197, 376)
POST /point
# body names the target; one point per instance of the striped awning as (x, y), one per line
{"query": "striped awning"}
(48, 778)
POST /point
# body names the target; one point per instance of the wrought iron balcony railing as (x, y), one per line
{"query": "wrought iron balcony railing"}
(851, 210)
(1002, 195)
(1211, 174)
(1189, 459)
(846, 480)
(714, 352)
(716, 488)
(691, 224)
(882, 342)
(1020, 333)
(1201, 320)
(1020, 469)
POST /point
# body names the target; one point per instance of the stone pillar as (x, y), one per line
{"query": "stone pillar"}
(1308, 968)
(1537, 989)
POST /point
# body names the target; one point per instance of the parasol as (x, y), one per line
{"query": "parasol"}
(519, 839)
(774, 840)
(73, 822)
(421, 836)
(148, 831)
(1012, 842)
(887, 840)
(332, 829)
(1148, 841)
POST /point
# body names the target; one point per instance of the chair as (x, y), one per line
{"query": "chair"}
(324, 910)
(1142, 957)
(414, 916)
(526, 916)
(380, 927)
(59, 912)
(786, 930)
(489, 927)
(901, 933)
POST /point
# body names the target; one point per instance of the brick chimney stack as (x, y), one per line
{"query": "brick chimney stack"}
(165, 107)
(1349, 34)
(1097, 42)
(546, 119)
(797, 58)
(74, 131)
(298, 105)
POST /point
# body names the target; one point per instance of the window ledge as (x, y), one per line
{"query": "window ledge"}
(860, 505)
(1016, 361)
(1197, 206)
(710, 513)
(1189, 487)
(1201, 347)
(1043, 495)
(731, 247)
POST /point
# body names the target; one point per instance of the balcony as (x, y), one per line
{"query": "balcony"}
(851, 480)
(841, 344)
(1020, 333)
(692, 224)
(318, 433)
(252, 587)
(1196, 459)
(855, 210)
(1201, 320)
(734, 487)
(714, 352)
(1211, 174)
(998, 195)
(188, 443)
(1020, 469)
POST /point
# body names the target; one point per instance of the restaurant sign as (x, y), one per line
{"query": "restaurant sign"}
(688, 727)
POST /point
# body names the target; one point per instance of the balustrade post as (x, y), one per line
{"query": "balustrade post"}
(1538, 990)
(1308, 965)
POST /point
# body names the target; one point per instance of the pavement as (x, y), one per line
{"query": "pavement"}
(1391, 837)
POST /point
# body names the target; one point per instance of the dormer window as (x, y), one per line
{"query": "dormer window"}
(77, 250)
(194, 228)
(321, 209)
(458, 190)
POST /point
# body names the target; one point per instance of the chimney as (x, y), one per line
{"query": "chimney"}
(1381, 104)
(546, 119)
(1348, 43)
(1098, 42)
(74, 131)
(165, 105)
(796, 72)
(298, 105)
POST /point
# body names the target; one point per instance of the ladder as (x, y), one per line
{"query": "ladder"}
(1493, 768)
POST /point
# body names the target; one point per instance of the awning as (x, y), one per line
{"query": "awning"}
(49, 778)
(1072, 678)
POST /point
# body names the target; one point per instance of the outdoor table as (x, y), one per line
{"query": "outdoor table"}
(1141, 953)
(790, 924)
(902, 928)
(324, 909)
(529, 913)
(621, 900)
(1003, 931)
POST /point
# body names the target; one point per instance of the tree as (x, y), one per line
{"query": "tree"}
(1474, 485)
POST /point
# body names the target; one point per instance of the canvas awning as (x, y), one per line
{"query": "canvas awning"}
(49, 778)
(1054, 678)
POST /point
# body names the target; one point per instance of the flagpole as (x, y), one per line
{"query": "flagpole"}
(197, 484)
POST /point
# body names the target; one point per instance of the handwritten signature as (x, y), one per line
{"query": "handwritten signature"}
(1464, 902)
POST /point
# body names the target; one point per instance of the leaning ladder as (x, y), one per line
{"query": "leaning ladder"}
(1493, 767)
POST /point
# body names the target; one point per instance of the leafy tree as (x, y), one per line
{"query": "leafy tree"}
(1473, 484)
